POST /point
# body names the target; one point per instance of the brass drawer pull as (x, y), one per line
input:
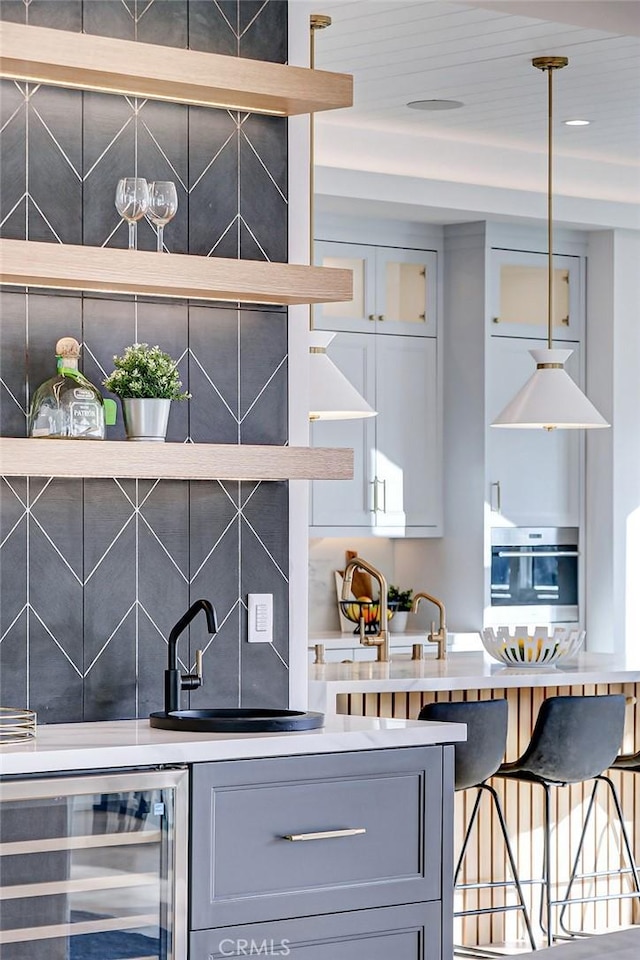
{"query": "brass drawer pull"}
(325, 834)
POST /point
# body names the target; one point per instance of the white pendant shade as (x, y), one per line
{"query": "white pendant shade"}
(331, 396)
(550, 399)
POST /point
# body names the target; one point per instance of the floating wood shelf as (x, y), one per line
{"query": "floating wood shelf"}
(171, 461)
(108, 65)
(107, 270)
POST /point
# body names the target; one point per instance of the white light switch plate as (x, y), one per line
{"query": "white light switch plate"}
(260, 618)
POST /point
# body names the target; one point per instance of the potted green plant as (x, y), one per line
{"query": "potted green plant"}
(146, 379)
(402, 600)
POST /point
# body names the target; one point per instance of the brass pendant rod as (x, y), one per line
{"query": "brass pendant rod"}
(549, 64)
(317, 21)
(550, 209)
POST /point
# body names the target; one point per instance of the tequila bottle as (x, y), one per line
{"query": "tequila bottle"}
(68, 405)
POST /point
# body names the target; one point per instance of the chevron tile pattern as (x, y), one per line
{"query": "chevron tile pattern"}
(93, 574)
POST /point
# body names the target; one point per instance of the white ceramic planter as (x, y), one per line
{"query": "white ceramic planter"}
(398, 622)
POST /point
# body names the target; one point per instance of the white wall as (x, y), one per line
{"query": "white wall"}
(613, 456)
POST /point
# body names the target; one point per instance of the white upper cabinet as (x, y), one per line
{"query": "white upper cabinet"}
(394, 290)
(518, 290)
(533, 476)
(396, 490)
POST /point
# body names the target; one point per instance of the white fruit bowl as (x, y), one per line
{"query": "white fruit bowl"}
(523, 649)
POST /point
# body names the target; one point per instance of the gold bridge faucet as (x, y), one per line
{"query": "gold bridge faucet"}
(381, 639)
(439, 637)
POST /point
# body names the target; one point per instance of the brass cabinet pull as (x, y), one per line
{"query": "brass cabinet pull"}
(325, 834)
(372, 316)
(383, 508)
(381, 316)
(374, 484)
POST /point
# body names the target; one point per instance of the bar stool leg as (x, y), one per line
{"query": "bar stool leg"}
(461, 951)
(512, 864)
(574, 868)
(467, 835)
(545, 900)
(566, 900)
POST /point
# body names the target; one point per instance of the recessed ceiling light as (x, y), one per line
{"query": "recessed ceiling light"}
(577, 123)
(435, 104)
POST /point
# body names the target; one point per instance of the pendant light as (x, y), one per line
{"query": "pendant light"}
(550, 399)
(331, 395)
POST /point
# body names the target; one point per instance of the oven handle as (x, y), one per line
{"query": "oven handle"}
(538, 553)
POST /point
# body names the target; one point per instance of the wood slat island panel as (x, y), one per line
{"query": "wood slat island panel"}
(109, 270)
(523, 805)
(109, 65)
(177, 461)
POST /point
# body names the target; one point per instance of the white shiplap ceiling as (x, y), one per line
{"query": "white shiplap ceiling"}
(480, 53)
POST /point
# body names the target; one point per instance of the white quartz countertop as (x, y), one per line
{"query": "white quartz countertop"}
(460, 671)
(133, 743)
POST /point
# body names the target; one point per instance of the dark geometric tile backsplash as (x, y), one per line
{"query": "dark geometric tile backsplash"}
(94, 573)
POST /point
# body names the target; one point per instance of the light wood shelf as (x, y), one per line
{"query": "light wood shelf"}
(170, 461)
(107, 270)
(108, 65)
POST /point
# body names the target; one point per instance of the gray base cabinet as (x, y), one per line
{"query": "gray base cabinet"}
(342, 855)
(390, 933)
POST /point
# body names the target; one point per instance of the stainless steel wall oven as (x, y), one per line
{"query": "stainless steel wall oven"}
(534, 575)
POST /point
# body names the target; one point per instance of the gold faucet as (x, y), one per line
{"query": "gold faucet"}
(439, 637)
(380, 639)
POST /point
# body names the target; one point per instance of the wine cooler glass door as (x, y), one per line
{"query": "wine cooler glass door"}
(94, 867)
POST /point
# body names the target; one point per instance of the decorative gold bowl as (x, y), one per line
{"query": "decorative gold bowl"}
(16, 724)
(523, 649)
(367, 610)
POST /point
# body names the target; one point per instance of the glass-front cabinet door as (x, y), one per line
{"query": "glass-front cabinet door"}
(94, 868)
(520, 295)
(394, 290)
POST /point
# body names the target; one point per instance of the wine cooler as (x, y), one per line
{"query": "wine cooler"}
(94, 867)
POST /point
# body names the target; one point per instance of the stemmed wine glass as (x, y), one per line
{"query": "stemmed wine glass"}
(163, 204)
(132, 202)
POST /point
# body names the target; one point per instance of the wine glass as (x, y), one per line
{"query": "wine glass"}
(132, 202)
(163, 204)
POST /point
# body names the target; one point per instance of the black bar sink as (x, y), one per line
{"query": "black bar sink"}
(237, 720)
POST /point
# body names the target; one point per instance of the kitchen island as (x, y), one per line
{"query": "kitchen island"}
(330, 683)
(400, 688)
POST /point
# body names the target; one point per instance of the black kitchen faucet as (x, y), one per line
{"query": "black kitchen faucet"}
(174, 681)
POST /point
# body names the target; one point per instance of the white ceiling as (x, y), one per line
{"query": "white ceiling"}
(480, 53)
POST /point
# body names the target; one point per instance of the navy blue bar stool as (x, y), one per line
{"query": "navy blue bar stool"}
(476, 760)
(574, 739)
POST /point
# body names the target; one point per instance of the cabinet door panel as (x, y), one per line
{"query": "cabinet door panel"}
(406, 299)
(348, 503)
(538, 471)
(392, 933)
(519, 295)
(245, 869)
(407, 449)
(357, 315)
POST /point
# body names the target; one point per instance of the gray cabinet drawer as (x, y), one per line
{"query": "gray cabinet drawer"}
(243, 870)
(391, 933)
